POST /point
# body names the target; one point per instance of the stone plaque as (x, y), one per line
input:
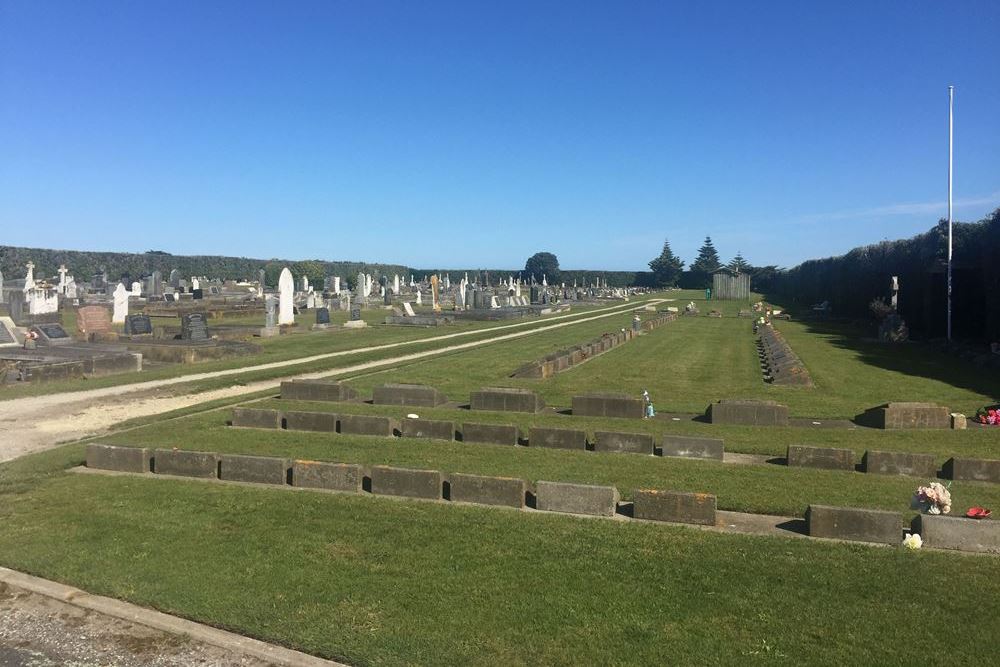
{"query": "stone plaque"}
(194, 326)
(355, 313)
(197, 293)
(323, 316)
(52, 331)
(138, 325)
(93, 319)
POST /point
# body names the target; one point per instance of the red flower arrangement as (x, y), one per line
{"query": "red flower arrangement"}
(989, 415)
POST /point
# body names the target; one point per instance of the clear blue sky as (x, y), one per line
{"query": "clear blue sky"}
(469, 133)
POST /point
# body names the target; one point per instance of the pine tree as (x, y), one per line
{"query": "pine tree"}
(706, 264)
(738, 264)
(667, 267)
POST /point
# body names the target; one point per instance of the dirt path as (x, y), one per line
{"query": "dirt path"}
(35, 423)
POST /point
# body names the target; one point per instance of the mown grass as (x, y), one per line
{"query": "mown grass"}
(377, 581)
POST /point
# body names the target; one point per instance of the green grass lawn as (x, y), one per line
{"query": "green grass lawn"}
(377, 581)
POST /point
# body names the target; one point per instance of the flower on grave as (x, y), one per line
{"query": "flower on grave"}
(989, 415)
(913, 541)
(934, 498)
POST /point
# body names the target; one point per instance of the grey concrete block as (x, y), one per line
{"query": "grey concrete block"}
(630, 443)
(960, 533)
(494, 434)
(334, 476)
(576, 498)
(978, 470)
(256, 418)
(748, 412)
(506, 399)
(257, 469)
(558, 438)
(415, 395)
(899, 463)
(406, 482)
(366, 425)
(123, 459)
(428, 428)
(674, 506)
(847, 523)
(827, 458)
(317, 390)
(608, 405)
(185, 463)
(907, 416)
(323, 422)
(692, 447)
(505, 491)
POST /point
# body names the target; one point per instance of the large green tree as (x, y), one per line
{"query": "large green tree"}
(543, 264)
(705, 264)
(738, 264)
(667, 267)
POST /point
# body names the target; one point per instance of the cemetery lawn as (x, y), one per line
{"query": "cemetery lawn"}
(377, 581)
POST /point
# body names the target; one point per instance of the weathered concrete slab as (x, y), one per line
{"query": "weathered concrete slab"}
(333, 476)
(317, 390)
(627, 443)
(674, 506)
(899, 463)
(748, 412)
(907, 416)
(415, 395)
(557, 438)
(256, 418)
(978, 470)
(505, 491)
(608, 405)
(428, 428)
(692, 447)
(960, 533)
(123, 459)
(506, 399)
(323, 422)
(827, 458)
(188, 464)
(493, 434)
(366, 425)
(848, 523)
(389, 481)
(257, 469)
(576, 498)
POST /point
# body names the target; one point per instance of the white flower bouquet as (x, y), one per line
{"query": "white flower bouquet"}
(932, 499)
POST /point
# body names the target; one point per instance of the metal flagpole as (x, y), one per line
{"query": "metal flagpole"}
(951, 104)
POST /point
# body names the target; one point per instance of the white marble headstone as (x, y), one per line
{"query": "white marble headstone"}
(286, 294)
(121, 304)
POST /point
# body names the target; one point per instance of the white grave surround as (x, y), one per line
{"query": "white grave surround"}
(286, 295)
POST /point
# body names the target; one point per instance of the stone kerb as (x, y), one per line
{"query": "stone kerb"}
(122, 459)
(827, 458)
(630, 443)
(960, 533)
(576, 498)
(748, 412)
(317, 390)
(322, 422)
(906, 416)
(256, 418)
(256, 469)
(862, 525)
(608, 405)
(414, 395)
(493, 434)
(428, 428)
(655, 505)
(332, 476)
(185, 463)
(899, 463)
(692, 447)
(388, 481)
(557, 438)
(505, 491)
(506, 399)
(978, 470)
(366, 425)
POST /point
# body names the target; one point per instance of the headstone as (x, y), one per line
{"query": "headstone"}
(175, 277)
(194, 326)
(197, 293)
(419, 298)
(360, 289)
(157, 284)
(270, 311)
(408, 309)
(49, 333)
(286, 294)
(323, 316)
(355, 313)
(93, 319)
(121, 304)
(138, 325)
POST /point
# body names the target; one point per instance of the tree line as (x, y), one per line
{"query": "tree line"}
(667, 269)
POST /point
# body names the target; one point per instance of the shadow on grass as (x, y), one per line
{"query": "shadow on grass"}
(799, 526)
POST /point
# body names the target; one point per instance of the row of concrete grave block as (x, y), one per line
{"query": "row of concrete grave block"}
(894, 463)
(780, 364)
(496, 434)
(889, 416)
(653, 505)
(937, 531)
